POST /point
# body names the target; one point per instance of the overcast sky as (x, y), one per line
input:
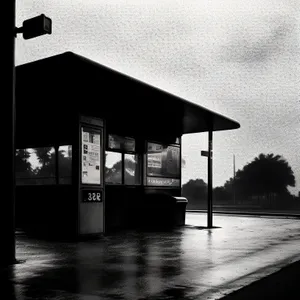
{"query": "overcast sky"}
(240, 58)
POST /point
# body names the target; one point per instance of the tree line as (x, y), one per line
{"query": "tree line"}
(45, 171)
(263, 183)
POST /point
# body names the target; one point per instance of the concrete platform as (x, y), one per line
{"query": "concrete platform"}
(190, 263)
(257, 213)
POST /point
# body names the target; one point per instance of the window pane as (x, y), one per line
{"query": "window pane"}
(117, 142)
(65, 164)
(132, 169)
(114, 142)
(163, 160)
(129, 145)
(35, 166)
(113, 167)
(24, 167)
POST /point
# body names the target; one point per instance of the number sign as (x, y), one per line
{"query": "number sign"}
(91, 196)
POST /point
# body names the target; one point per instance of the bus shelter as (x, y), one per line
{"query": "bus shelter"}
(96, 147)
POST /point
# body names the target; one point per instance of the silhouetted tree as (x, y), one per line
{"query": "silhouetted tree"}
(222, 195)
(44, 155)
(22, 163)
(47, 171)
(23, 167)
(114, 174)
(267, 176)
(65, 167)
(195, 190)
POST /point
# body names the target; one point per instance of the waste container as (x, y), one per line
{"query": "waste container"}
(180, 211)
(158, 211)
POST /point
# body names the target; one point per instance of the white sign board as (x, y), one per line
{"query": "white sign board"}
(155, 160)
(90, 158)
(158, 181)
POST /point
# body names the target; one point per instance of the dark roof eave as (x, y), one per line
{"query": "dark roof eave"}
(191, 110)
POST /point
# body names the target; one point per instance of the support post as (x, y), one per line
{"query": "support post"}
(234, 198)
(7, 203)
(209, 181)
(57, 175)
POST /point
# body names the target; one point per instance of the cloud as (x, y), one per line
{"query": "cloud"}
(261, 38)
(240, 58)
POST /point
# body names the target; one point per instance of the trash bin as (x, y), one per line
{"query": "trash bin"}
(158, 211)
(180, 210)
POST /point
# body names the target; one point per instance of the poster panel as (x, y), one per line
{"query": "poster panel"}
(163, 161)
(91, 156)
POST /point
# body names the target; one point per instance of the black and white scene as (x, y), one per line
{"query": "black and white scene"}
(151, 150)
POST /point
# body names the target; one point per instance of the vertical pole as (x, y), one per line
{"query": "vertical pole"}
(57, 175)
(7, 218)
(209, 181)
(234, 199)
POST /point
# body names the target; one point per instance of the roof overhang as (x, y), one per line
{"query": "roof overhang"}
(66, 82)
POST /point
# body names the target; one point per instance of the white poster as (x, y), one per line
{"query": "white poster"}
(91, 171)
(155, 160)
(158, 181)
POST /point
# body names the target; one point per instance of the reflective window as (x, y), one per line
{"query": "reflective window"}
(116, 142)
(35, 166)
(24, 166)
(132, 169)
(163, 160)
(113, 167)
(65, 164)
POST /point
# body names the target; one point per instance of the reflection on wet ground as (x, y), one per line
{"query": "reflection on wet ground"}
(189, 263)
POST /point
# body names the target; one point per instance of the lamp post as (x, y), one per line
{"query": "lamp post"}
(31, 28)
(7, 218)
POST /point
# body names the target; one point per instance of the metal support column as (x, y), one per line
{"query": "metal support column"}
(7, 203)
(209, 181)
(233, 185)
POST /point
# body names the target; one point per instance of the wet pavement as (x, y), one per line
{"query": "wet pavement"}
(192, 262)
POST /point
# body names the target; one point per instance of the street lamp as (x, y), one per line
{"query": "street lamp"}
(31, 28)
(35, 27)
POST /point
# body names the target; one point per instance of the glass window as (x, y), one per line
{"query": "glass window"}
(163, 161)
(24, 167)
(35, 166)
(116, 142)
(65, 164)
(132, 169)
(113, 167)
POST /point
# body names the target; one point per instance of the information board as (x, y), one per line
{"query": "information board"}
(163, 161)
(91, 156)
